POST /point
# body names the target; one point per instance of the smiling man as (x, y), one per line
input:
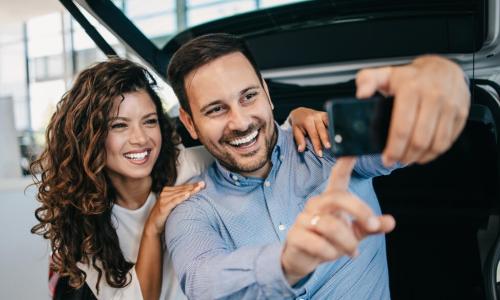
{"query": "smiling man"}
(275, 223)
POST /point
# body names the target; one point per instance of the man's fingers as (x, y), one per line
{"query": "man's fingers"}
(337, 203)
(312, 244)
(403, 118)
(336, 231)
(424, 131)
(387, 224)
(341, 174)
(368, 81)
(300, 139)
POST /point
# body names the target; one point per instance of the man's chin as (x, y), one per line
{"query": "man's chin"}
(242, 164)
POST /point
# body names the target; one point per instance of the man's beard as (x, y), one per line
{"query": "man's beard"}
(230, 161)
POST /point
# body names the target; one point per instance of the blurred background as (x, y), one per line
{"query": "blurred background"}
(42, 48)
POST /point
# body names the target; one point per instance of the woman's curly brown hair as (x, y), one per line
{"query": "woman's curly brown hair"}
(75, 193)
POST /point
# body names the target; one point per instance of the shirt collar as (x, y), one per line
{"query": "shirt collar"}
(237, 179)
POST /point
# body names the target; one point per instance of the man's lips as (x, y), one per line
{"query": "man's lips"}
(245, 140)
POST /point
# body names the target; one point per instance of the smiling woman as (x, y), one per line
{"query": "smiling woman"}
(110, 151)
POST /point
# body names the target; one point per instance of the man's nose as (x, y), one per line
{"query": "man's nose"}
(138, 136)
(239, 120)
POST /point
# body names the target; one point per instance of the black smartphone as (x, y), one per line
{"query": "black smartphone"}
(358, 127)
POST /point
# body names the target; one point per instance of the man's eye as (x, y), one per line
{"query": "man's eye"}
(118, 125)
(152, 121)
(214, 111)
(250, 96)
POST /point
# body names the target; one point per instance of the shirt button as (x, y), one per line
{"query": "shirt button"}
(267, 183)
(282, 227)
(235, 177)
(282, 157)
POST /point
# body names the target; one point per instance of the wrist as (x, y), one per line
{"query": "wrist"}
(151, 231)
(291, 277)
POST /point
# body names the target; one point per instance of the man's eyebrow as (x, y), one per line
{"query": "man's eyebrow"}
(215, 102)
(206, 106)
(245, 90)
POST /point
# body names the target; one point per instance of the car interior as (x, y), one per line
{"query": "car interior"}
(446, 244)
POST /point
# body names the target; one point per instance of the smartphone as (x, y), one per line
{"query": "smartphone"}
(358, 127)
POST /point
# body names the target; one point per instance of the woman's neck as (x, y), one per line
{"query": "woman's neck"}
(131, 193)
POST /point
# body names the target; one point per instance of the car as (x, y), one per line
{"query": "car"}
(446, 244)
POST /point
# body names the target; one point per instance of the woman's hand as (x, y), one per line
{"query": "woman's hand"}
(312, 123)
(168, 199)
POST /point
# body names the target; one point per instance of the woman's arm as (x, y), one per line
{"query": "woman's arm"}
(149, 260)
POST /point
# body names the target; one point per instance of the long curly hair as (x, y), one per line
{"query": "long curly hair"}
(75, 192)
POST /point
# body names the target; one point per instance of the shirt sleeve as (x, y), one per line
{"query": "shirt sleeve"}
(207, 269)
(132, 291)
(192, 162)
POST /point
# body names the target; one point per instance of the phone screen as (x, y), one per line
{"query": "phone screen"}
(358, 127)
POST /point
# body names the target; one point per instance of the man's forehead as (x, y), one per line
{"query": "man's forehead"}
(222, 77)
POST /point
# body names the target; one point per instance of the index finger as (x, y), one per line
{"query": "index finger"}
(341, 174)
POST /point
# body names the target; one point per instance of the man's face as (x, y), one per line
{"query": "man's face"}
(231, 114)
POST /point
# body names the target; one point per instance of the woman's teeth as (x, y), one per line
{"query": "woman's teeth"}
(137, 156)
(244, 140)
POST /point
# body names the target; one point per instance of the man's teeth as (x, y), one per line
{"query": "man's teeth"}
(137, 156)
(244, 140)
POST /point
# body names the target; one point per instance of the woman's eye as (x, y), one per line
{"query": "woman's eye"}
(152, 121)
(118, 125)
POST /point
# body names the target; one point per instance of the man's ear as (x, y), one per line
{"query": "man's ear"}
(267, 93)
(187, 121)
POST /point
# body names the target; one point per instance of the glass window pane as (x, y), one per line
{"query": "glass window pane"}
(138, 8)
(44, 35)
(216, 11)
(44, 97)
(153, 17)
(158, 25)
(269, 3)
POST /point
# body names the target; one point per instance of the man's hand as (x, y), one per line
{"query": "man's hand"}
(324, 231)
(431, 104)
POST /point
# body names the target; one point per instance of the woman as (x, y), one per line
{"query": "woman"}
(110, 152)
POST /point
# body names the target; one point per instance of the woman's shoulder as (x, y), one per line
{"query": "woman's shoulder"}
(192, 162)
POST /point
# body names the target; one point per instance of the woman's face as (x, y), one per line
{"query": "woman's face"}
(134, 139)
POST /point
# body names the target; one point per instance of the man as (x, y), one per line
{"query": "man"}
(273, 222)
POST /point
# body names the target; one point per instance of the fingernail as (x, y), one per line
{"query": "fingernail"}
(373, 223)
(328, 145)
(320, 153)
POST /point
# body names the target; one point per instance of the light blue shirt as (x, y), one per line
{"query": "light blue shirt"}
(226, 241)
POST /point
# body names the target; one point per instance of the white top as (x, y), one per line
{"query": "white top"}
(129, 225)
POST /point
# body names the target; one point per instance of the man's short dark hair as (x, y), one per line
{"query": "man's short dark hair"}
(199, 52)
